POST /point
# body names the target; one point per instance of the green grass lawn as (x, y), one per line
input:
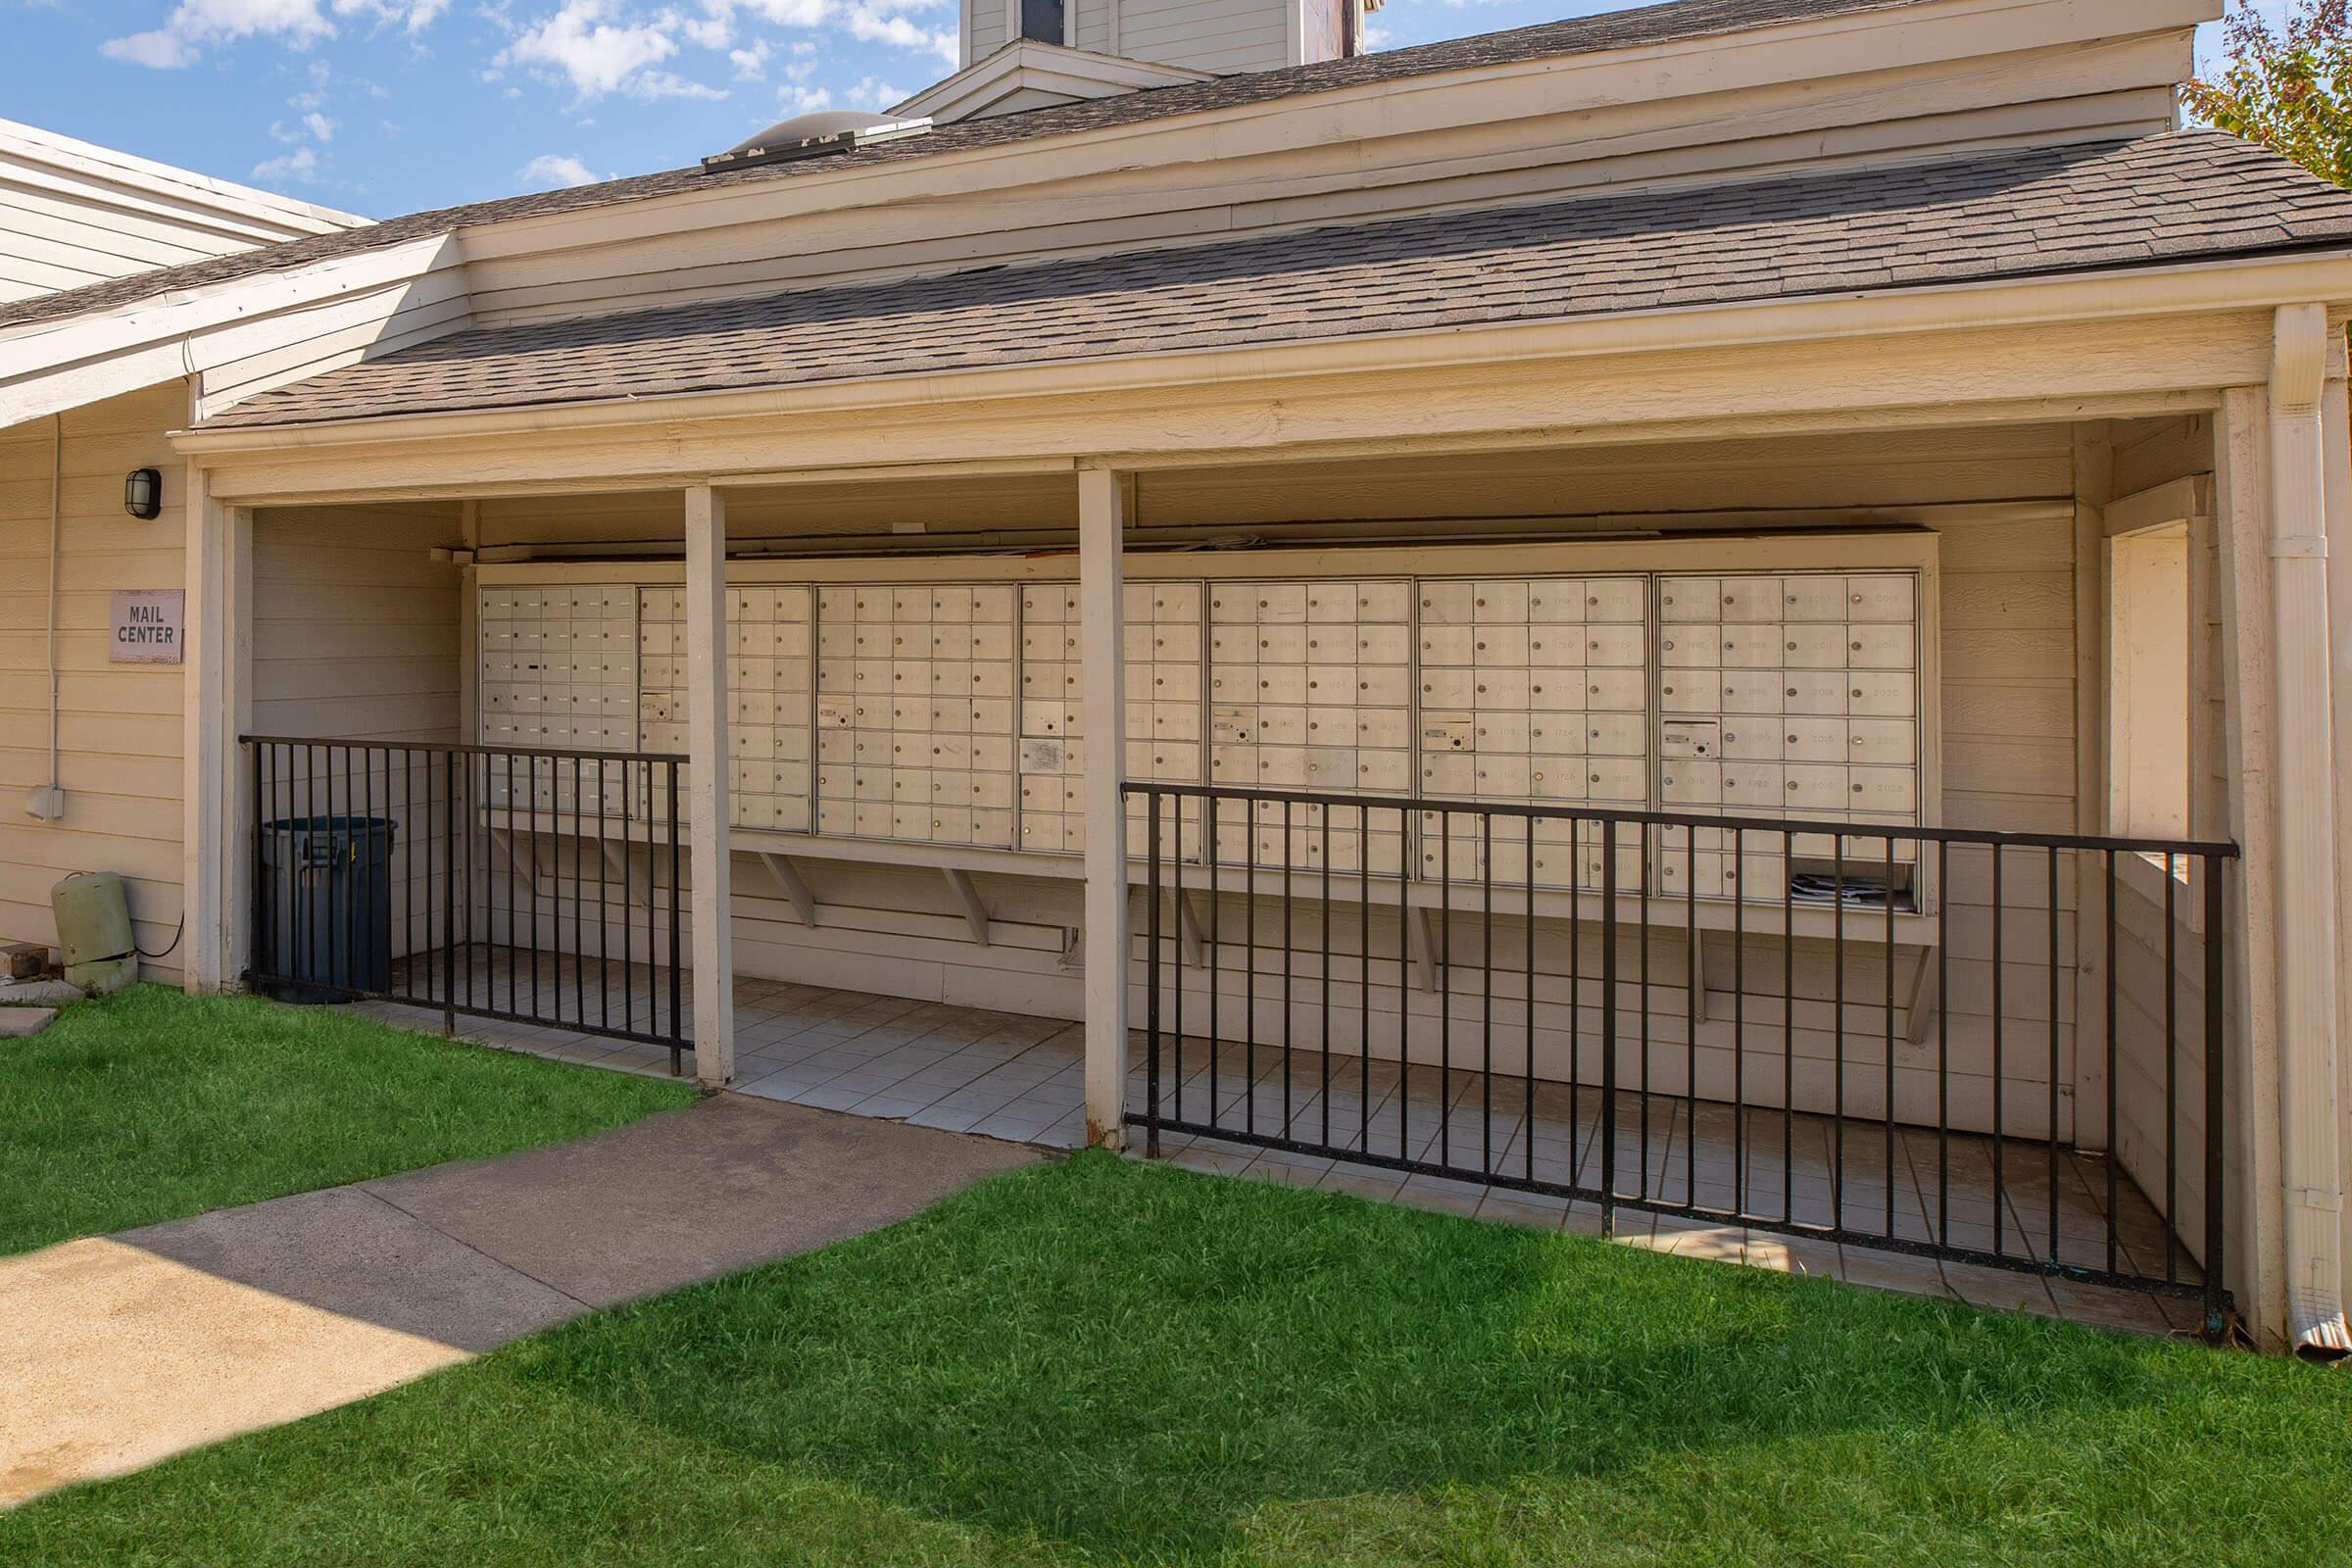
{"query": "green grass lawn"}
(1103, 1362)
(152, 1105)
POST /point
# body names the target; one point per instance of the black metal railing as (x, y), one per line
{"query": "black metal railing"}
(529, 886)
(1859, 1033)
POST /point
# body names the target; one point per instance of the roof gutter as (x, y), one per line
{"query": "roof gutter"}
(2242, 284)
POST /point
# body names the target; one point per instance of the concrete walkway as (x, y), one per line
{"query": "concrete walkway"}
(117, 1351)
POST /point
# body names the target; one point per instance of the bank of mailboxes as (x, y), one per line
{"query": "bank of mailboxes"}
(559, 670)
(1311, 690)
(952, 713)
(1809, 683)
(1531, 690)
(916, 705)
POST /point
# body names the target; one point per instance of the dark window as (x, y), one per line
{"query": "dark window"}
(1042, 20)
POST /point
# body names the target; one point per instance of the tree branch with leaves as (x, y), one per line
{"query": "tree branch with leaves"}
(2287, 88)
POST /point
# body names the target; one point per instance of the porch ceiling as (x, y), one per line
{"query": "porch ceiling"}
(2186, 197)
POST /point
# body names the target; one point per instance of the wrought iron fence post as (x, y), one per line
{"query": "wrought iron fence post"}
(1608, 1027)
(2217, 1288)
(1152, 968)
(449, 894)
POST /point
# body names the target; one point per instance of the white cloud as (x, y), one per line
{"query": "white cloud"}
(653, 85)
(751, 64)
(197, 25)
(301, 166)
(555, 170)
(801, 101)
(872, 92)
(600, 50)
(414, 16)
(320, 128)
(873, 25)
(780, 12)
(159, 50)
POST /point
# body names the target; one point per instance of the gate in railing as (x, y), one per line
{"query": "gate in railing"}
(1876, 1044)
(528, 885)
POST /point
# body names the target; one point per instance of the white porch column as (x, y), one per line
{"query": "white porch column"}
(216, 653)
(713, 894)
(1102, 642)
(2310, 1142)
(2335, 442)
(2256, 1259)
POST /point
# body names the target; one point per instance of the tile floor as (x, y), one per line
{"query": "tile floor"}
(1005, 1075)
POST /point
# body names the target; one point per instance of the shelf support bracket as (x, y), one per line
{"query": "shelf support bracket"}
(1919, 1015)
(796, 888)
(975, 913)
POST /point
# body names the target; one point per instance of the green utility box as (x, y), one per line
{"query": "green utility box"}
(93, 927)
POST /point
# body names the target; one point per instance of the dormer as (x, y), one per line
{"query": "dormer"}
(1026, 54)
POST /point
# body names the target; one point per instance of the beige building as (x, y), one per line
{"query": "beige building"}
(1734, 593)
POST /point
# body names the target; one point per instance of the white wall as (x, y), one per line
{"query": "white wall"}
(358, 636)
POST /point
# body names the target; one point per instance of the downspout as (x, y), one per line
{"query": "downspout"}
(2306, 939)
(57, 544)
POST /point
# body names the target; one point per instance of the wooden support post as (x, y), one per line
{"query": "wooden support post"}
(712, 902)
(796, 887)
(2255, 1240)
(218, 808)
(2302, 692)
(2336, 423)
(975, 913)
(2086, 1075)
(1101, 640)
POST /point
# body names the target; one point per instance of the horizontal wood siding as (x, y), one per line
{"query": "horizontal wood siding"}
(984, 27)
(308, 339)
(2165, 1156)
(1518, 142)
(1098, 28)
(2161, 1150)
(120, 724)
(1217, 35)
(355, 636)
(72, 215)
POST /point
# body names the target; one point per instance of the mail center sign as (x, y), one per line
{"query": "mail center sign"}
(147, 626)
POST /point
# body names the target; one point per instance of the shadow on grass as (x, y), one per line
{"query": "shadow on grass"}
(1143, 1362)
(151, 1105)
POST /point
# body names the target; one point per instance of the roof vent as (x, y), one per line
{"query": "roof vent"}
(832, 130)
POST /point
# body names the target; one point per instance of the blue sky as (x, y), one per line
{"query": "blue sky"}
(383, 106)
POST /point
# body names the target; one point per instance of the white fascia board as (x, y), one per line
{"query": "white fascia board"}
(78, 360)
(91, 161)
(2138, 294)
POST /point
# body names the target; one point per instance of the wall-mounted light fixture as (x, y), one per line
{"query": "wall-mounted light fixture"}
(144, 494)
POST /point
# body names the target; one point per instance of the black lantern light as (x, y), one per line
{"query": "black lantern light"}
(144, 494)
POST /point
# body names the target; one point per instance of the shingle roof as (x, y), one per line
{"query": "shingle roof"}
(1622, 29)
(2162, 199)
